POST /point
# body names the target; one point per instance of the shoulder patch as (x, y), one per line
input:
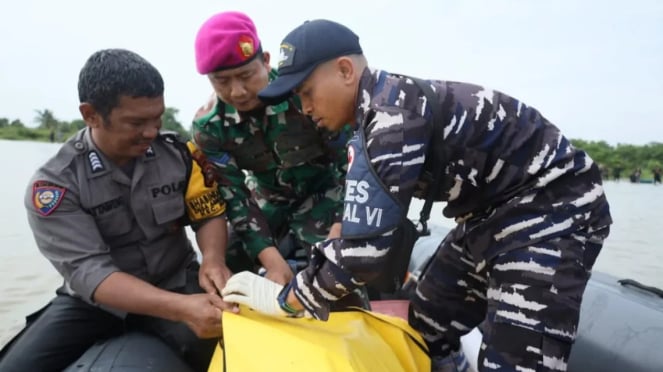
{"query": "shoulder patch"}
(220, 159)
(207, 108)
(46, 196)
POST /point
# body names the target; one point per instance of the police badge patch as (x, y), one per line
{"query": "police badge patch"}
(46, 197)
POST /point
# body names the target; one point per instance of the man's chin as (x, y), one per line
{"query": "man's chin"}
(248, 106)
(141, 149)
(330, 126)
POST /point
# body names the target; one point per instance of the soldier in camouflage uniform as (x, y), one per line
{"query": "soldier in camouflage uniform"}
(530, 208)
(279, 173)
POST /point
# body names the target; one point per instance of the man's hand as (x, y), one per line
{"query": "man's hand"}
(212, 238)
(202, 313)
(254, 291)
(277, 268)
(213, 274)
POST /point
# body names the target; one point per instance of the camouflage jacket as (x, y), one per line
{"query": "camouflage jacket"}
(279, 155)
(509, 176)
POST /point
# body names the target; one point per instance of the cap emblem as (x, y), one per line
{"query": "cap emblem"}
(245, 46)
(286, 55)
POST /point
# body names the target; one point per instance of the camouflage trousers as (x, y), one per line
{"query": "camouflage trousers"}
(526, 301)
(295, 226)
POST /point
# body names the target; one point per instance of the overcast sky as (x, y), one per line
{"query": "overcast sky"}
(593, 67)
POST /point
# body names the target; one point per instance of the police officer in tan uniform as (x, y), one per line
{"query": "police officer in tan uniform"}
(108, 211)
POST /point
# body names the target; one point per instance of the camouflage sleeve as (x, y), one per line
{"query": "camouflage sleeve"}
(338, 266)
(245, 216)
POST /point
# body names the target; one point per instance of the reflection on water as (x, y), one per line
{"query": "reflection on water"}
(27, 280)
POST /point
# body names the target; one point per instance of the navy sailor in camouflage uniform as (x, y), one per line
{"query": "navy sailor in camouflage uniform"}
(530, 208)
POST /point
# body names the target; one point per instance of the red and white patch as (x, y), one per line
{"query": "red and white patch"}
(46, 197)
(351, 156)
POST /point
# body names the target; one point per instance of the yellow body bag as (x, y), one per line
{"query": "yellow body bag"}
(351, 340)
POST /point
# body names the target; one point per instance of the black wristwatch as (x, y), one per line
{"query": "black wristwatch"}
(282, 300)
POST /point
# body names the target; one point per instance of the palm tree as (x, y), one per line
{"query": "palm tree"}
(46, 119)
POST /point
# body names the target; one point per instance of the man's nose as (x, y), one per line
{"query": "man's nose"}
(307, 108)
(151, 131)
(237, 88)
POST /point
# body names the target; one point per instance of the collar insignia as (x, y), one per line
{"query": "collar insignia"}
(95, 162)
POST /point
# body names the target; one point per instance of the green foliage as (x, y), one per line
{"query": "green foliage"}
(170, 122)
(48, 124)
(17, 123)
(623, 159)
(16, 132)
(76, 125)
(46, 120)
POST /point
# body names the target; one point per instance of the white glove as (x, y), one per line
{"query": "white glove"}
(254, 291)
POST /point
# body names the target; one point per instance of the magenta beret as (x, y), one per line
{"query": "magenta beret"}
(226, 40)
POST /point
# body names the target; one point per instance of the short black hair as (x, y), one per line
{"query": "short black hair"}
(111, 73)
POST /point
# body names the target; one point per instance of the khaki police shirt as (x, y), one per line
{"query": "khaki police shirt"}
(91, 219)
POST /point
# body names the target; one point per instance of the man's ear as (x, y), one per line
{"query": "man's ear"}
(265, 59)
(346, 68)
(90, 115)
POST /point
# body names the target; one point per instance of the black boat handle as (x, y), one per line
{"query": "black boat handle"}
(633, 283)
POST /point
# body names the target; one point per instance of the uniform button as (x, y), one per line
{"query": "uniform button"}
(79, 145)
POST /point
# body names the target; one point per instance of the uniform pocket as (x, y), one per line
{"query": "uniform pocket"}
(168, 210)
(537, 309)
(115, 223)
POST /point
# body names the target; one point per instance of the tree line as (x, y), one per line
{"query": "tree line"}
(624, 160)
(620, 161)
(50, 128)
